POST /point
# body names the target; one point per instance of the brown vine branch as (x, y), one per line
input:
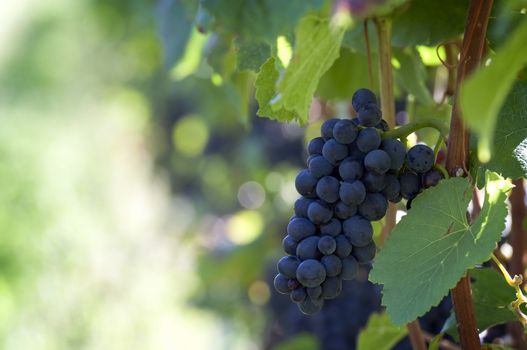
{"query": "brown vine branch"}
(517, 238)
(384, 35)
(471, 56)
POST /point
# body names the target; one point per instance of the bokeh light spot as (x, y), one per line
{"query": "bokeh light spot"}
(190, 135)
(259, 292)
(245, 226)
(273, 181)
(251, 195)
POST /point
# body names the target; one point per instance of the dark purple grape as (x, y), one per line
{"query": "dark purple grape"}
(374, 207)
(311, 273)
(420, 158)
(361, 98)
(315, 146)
(345, 131)
(370, 115)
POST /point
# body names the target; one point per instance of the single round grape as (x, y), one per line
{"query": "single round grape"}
(352, 193)
(374, 182)
(350, 170)
(314, 292)
(368, 140)
(397, 152)
(299, 228)
(298, 295)
(358, 230)
(392, 190)
(370, 115)
(410, 184)
(343, 246)
(311, 273)
(308, 248)
(332, 264)
(331, 228)
(361, 98)
(420, 158)
(331, 288)
(319, 167)
(374, 207)
(305, 183)
(311, 306)
(350, 268)
(431, 178)
(355, 153)
(315, 146)
(289, 245)
(327, 245)
(280, 284)
(327, 189)
(365, 254)
(287, 266)
(345, 131)
(334, 151)
(319, 212)
(344, 211)
(377, 161)
(326, 129)
(301, 205)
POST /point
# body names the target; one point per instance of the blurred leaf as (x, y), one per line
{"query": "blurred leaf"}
(302, 341)
(250, 55)
(428, 22)
(244, 82)
(259, 19)
(191, 59)
(265, 86)
(492, 296)
(411, 74)
(380, 333)
(174, 26)
(510, 138)
(481, 104)
(426, 258)
(317, 47)
(347, 74)
(436, 111)
(221, 55)
(354, 38)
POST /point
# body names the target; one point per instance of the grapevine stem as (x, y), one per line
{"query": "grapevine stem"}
(384, 36)
(409, 128)
(470, 58)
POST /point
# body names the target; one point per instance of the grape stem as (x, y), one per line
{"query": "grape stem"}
(405, 130)
(514, 282)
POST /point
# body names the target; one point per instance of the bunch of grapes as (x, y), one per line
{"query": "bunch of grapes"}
(352, 174)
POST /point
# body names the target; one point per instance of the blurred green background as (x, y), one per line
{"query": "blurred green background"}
(135, 200)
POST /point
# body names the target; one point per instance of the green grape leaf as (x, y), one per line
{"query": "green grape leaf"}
(265, 86)
(317, 47)
(510, 139)
(411, 74)
(481, 104)
(250, 55)
(492, 296)
(430, 249)
(174, 25)
(380, 333)
(347, 74)
(428, 22)
(259, 19)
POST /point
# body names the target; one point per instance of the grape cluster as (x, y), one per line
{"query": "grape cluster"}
(351, 176)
